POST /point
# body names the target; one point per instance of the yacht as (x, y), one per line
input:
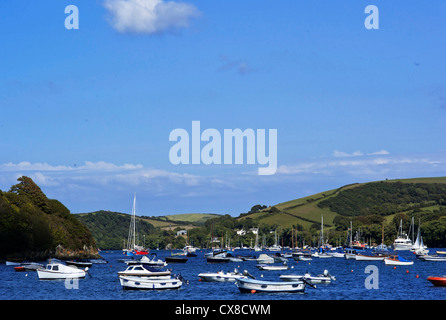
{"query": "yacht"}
(402, 241)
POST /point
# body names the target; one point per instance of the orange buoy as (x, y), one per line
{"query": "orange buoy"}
(253, 291)
(407, 271)
(394, 268)
(417, 276)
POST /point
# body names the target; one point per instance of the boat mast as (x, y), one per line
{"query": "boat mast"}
(131, 241)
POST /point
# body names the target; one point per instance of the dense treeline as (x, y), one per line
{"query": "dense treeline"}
(386, 198)
(31, 225)
(111, 229)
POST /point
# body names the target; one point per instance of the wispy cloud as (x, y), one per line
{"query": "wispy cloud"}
(149, 16)
(240, 66)
(374, 165)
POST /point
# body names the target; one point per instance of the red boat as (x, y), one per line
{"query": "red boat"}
(438, 281)
(142, 252)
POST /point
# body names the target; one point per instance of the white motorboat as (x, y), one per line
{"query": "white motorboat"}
(350, 254)
(221, 276)
(269, 267)
(140, 270)
(336, 254)
(145, 261)
(132, 282)
(396, 260)
(321, 278)
(60, 271)
(264, 258)
(253, 285)
(402, 241)
(433, 257)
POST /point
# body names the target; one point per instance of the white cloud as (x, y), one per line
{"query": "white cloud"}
(149, 16)
(371, 166)
(340, 154)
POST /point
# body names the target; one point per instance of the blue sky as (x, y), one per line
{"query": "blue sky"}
(87, 113)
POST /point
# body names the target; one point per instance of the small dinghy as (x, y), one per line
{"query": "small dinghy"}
(221, 276)
(139, 283)
(19, 269)
(396, 260)
(253, 286)
(438, 281)
(60, 271)
(321, 278)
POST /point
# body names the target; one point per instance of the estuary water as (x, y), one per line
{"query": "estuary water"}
(400, 283)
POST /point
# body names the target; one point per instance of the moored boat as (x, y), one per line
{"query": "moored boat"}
(321, 278)
(145, 261)
(269, 267)
(371, 257)
(350, 254)
(79, 263)
(253, 285)
(60, 271)
(140, 270)
(438, 281)
(264, 258)
(396, 260)
(138, 283)
(221, 276)
(433, 257)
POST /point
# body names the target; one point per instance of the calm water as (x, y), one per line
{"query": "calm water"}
(401, 283)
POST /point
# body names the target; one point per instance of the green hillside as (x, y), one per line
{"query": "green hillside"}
(369, 206)
(35, 227)
(194, 218)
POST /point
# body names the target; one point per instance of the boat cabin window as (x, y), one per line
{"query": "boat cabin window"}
(54, 268)
(138, 268)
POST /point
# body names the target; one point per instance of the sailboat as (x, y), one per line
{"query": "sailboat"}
(419, 247)
(256, 245)
(132, 248)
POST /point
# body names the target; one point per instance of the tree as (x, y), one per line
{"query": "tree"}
(27, 187)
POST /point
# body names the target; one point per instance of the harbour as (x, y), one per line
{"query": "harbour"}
(402, 282)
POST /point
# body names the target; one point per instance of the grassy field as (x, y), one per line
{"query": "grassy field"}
(304, 211)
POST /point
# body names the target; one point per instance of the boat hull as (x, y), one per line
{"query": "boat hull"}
(432, 258)
(390, 262)
(251, 285)
(437, 281)
(271, 268)
(360, 257)
(52, 275)
(135, 283)
(220, 277)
